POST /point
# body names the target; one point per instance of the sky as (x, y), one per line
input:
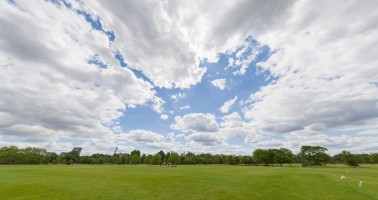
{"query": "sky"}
(181, 75)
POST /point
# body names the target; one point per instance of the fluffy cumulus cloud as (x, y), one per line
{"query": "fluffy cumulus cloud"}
(150, 41)
(49, 89)
(141, 136)
(326, 69)
(219, 83)
(227, 105)
(244, 56)
(205, 139)
(196, 122)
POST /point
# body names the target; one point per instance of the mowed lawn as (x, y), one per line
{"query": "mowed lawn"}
(186, 182)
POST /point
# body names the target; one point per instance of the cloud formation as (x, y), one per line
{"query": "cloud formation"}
(196, 122)
(227, 105)
(50, 89)
(219, 83)
(62, 75)
(325, 73)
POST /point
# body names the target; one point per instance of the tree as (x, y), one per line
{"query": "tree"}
(364, 158)
(313, 155)
(10, 155)
(126, 158)
(157, 160)
(135, 152)
(166, 158)
(190, 158)
(162, 155)
(374, 158)
(288, 156)
(259, 156)
(174, 158)
(33, 155)
(148, 160)
(56, 161)
(135, 159)
(349, 159)
(279, 156)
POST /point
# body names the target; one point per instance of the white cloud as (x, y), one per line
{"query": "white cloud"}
(178, 96)
(205, 139)
(323, 90)
(368, 132)
(233, 126)
(196, 122)
(141, 136)
(150, 41)
(245, 55)
(184, 107)
(219, 83)
(170, 137)
(49, 89)
(165, 117)
(227, 105)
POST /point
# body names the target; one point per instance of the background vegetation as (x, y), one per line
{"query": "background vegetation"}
(308, 156)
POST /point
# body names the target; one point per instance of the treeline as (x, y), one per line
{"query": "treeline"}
(29, 155)
(308, 156)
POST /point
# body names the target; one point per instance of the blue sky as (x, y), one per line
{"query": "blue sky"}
(204, 97)
(218, 77)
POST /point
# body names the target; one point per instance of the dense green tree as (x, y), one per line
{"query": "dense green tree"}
(233, 160)
(313, 155)
(33, 155)
(10, 155)
(374, 158)
(156, 159)
(162, 155)
(148, 160)
(262, 156)
(126, 158)
(282, 156)
(174, 158)
(349, 158)
(364, 158)
(135, 159)
(135, 152)
(190, 158)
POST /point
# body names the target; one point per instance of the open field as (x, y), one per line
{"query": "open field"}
(186, 182)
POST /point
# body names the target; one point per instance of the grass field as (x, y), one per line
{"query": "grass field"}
(186, 182)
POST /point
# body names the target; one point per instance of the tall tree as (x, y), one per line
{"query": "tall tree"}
(135, 152)
(135, 159)
(174, 158)
(374, 158)
(314, 155)
(157, 159)
(162, 155)
(349, 158)
(260, 156)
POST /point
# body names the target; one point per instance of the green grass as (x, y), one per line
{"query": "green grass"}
(185, 182)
